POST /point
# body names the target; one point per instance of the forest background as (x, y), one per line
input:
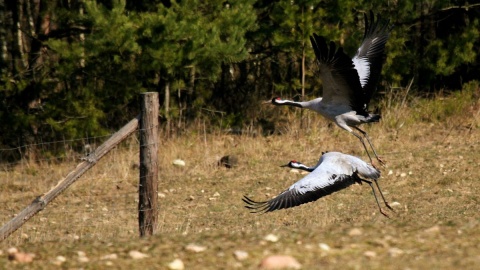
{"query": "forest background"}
(74, 69)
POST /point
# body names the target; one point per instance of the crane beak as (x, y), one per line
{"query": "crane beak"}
(286, 165)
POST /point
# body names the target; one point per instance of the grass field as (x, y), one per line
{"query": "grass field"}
(432, 151)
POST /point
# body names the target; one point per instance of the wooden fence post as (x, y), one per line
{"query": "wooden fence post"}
(148, 186)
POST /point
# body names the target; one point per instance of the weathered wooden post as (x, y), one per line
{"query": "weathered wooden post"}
(148, 187)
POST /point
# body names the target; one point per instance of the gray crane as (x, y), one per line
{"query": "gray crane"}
(333, 172)
(348, 84)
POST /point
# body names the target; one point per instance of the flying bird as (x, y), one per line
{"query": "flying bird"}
(333, 172)
(348, 84)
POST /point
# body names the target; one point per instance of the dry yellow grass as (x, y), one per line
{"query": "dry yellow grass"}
(434, 176)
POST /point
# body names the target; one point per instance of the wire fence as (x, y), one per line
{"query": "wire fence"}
(102, 204)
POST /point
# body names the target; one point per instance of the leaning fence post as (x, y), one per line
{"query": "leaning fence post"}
(148, 186)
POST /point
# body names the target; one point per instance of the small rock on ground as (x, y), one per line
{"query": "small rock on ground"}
(280, 262)
(240, 255)
(176, 264)
(195, 248)
(135, 254)
(355, 232)
(21, 257)
(370, 254)
(324, 247)
(271, 238)
(179, 163)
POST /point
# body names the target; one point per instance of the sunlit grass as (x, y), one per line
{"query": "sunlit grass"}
(431, 155)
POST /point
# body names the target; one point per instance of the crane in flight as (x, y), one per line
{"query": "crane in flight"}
(333, 172)
(348, 84)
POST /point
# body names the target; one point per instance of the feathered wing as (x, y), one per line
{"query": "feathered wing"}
(363, 169)
(339, 77)
(325, 180)
(334, 171)
(370, 56)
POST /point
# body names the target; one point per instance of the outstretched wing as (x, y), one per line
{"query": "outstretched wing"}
(321, 182)
(368, 60)
(337, 71)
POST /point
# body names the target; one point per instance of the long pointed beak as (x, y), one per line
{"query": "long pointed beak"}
(286, 165)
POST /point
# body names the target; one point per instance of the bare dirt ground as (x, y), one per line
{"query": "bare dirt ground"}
(431, 174)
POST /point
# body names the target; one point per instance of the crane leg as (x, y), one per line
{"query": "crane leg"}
(383, 198)
(365, 134)
(364, 146)
(375, 195)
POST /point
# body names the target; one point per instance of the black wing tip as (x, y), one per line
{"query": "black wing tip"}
(329, 53)
(256, 207)
(378, 27)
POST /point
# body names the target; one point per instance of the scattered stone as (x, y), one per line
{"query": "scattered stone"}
(24, 236)
(112, 256)
(355, 232)
(195, 248)
(240, 255)
(179, 163)
(324, 247)
(394, 204)
(161, 195)
(271, 238)
(135, 254)
(432, 230)
(390, 172)
(59, 260)
(280, 262)
(216, 194)
(294, 171)
(82, 257)
(395, 252)
(176, 264)
(12, 250)
(21, 257)
(229, 161)
(370, 254)
(403, 174)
